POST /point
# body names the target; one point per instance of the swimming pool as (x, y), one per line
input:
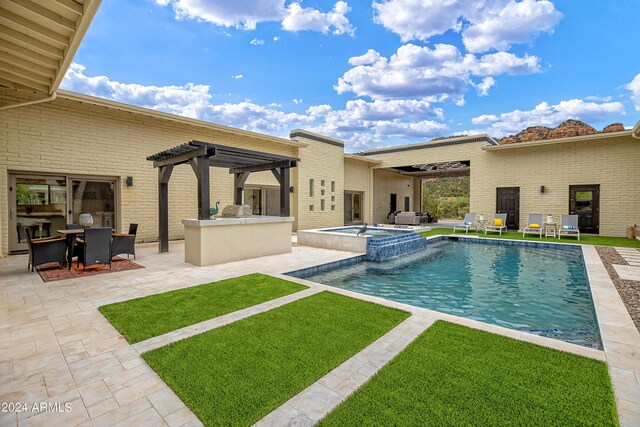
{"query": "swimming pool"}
(541, 290)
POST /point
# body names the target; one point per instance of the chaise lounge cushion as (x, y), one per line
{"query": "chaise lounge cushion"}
(407, 218)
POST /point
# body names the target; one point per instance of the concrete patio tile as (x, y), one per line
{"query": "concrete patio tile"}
(94, 392)
(331, 381)
(121, 413)
(102, 407)
(166, 402)
(315, 401)
(628, 272)
(147, 418)
(351, 384)
(97, 370)
(348, 368)
(181, 417)
(142, 387)
(627, 413)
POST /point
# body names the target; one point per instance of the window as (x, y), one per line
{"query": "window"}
(333, 198)
(333, 186)
(311, 209)
(311, 188)
(333, 207)
(322, 204)
(322, 192)
(407, 202)
(322, 183)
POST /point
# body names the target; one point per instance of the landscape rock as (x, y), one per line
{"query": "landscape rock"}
(613, 127)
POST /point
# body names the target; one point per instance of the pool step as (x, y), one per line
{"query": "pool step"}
(390, 247)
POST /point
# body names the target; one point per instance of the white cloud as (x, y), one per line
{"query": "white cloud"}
(297, 101)
(276, 38)
(301, 19)
(419, 72)
(238, 77)
(484, 25)
(246, 14)
(256, 42)
(634, 88)
(510, 22)
(362, 124)
(545, 114)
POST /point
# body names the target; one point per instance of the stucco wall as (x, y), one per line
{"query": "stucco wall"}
(68, 137)
(320, 161)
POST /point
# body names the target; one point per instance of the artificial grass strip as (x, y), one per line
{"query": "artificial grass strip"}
(585, 239)
(237, 374)
(142, 318)
(453, 375)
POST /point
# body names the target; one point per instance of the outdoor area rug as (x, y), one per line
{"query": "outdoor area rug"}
(54, 272)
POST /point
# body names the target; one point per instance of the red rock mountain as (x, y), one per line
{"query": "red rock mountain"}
(563, 130)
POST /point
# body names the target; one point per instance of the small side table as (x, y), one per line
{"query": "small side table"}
(482, 222)
(550, 229)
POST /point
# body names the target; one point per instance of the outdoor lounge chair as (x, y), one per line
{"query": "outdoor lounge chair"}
(95, 248)
(469, 221)
(534, 225)
(125, 243)
(569, 226)
(498, 223)
(45, 250)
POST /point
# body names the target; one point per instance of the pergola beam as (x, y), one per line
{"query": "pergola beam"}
(201, 156)
(264, 166)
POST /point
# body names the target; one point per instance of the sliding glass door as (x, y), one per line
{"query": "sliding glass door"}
(43, 204)
(37, 204)
(95, 197)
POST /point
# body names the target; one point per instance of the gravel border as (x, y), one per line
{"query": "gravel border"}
(629, 290)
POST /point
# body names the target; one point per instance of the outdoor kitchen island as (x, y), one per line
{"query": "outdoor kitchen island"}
(220, 240)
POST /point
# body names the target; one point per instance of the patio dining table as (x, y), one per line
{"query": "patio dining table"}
(70, 235)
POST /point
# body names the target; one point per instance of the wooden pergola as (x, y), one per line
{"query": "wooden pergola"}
(203, 155)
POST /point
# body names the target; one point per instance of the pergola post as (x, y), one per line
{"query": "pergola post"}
(204, 201)
(285, 203)
(164, 173)
(239, 179)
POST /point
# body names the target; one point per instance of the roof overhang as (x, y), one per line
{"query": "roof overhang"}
(592, 137)
(39, 39)
(635, 132)
(358, 158)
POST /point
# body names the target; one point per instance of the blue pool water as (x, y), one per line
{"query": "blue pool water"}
(539, 290)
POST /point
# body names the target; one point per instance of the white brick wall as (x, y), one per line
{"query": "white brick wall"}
(70, 138)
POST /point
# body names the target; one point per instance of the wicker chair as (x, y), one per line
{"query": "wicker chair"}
(125, 243)
(95, 248)
(43, 251)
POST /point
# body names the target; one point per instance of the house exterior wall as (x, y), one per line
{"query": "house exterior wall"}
(358, 176)
(384, 184)
(610, 161)
(73, 138)
(322, 159)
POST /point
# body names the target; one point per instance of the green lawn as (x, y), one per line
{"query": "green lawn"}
(584, 239)
(452, 375)
(237, 374)
(142, 318)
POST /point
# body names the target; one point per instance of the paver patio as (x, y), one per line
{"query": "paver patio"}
(56, 347)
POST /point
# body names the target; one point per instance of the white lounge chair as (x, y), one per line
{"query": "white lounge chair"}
(498, 223)
(534, 225)
(569, 226)
(469, 221)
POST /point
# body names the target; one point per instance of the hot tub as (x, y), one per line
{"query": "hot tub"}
(378, 243)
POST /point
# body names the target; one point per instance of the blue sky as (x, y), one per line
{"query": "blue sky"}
(374, 74)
